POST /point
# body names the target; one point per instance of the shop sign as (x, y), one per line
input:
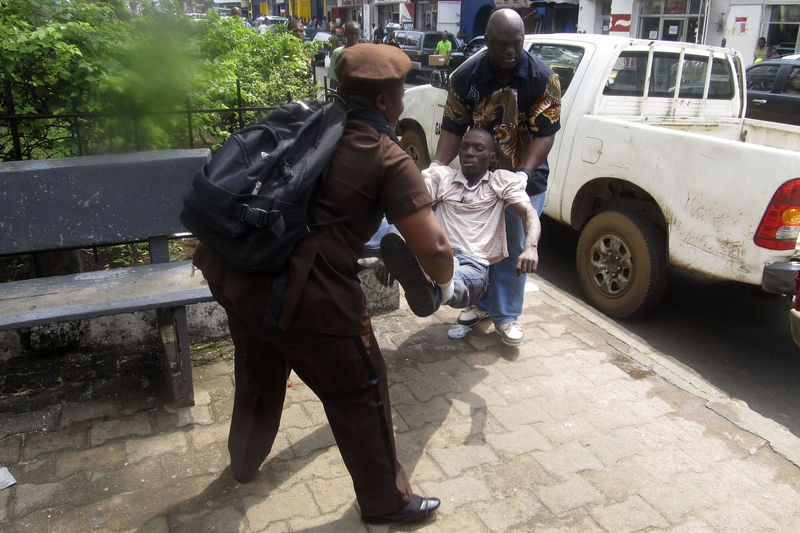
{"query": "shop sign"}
(620, 23)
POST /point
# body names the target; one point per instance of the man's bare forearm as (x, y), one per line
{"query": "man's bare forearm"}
(447, 148)
(529, 258)
(537, 152)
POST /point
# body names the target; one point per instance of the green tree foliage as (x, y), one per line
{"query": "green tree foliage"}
(142, 69)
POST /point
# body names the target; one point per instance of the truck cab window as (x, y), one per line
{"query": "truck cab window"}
(564, 60)
(628, 75)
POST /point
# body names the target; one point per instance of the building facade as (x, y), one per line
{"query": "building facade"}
(733, 23)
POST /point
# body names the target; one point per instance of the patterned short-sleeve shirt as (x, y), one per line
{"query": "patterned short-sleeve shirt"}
(528, 106)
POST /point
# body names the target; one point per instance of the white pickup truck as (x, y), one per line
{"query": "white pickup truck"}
(652, 172)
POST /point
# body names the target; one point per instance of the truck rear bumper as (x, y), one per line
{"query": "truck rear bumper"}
(779, 277)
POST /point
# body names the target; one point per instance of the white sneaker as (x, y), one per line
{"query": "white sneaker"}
(472, 315)
(511, 333)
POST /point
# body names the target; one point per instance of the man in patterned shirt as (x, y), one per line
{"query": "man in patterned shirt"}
(517, 97)
(468, 205)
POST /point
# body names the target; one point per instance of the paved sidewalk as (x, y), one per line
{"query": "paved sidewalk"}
(581, 429)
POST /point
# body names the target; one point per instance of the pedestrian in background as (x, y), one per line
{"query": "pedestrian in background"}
(517, 97)
(444, 47)
(761, 50)
(352, 35)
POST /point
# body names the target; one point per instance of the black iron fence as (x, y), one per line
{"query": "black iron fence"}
(74, 125)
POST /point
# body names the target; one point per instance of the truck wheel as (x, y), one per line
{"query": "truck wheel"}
(415, 147)
(621, 260)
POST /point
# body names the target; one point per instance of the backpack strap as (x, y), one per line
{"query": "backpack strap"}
(280, 282)
(374, 118)
(274, 305)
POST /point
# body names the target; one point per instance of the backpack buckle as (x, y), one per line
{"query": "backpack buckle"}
(251, 215)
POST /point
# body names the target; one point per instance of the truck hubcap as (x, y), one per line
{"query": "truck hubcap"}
(612, 265)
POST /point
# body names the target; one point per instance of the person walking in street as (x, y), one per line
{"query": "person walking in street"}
(469, 205)
(516, 96)
(324, 333)
(392, 41)
(444, 47)
(352, 35)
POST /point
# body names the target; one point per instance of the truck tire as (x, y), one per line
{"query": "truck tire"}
(621, 260)
(415, 147)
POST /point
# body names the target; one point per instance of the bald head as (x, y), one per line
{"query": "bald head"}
(505, 33)
(504, 20)
(352, 32)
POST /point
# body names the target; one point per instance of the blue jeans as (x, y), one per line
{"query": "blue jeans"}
(470, 279)
(506, 292)
(372, 248)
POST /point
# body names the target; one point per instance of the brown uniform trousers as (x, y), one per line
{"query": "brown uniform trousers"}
(348, 375)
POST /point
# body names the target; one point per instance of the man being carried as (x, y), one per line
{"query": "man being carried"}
(469, 205)
(517, 97)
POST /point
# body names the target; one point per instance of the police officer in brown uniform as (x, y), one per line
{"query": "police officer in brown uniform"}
(324, 332)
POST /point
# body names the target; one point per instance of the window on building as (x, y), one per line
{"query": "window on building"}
(606, 14)
(429, 16)
(782, 30)
(671, 20)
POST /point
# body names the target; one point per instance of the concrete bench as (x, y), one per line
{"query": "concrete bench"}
(84, 202)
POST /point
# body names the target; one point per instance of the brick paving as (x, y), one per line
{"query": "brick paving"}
(580, 429)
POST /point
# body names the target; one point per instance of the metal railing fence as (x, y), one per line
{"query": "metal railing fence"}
(72, 127)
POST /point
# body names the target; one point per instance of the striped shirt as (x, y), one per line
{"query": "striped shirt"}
(473, 217)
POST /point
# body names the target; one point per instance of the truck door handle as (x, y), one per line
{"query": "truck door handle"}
(759, 101)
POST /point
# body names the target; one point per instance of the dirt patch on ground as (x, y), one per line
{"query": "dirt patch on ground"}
(48, 378)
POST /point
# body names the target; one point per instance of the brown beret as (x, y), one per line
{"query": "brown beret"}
(369, 68)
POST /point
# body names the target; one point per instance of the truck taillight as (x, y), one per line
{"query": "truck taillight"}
(781, 222)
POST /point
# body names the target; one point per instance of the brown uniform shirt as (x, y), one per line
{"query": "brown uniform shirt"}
(323, 292)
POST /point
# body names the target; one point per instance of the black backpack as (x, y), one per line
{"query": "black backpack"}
(254, 201)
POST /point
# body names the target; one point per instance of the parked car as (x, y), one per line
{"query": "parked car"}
(794, 311)
(773, 90)
(474, 44)
(465, 51)
(325, 48)
(272, 19)
(270, 23)
(419, 45)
